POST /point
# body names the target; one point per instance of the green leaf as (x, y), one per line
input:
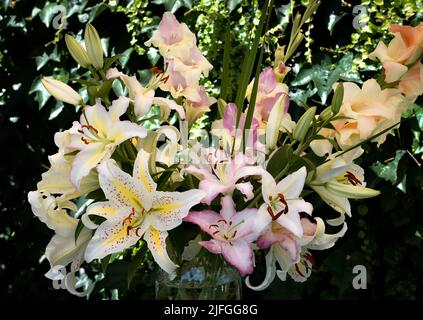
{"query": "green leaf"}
(105, 263)
(50, 11)
(388, 171)
(279, 160)
(232, 4)
(248, 63)
(41, 94)
(225, 71)
(136, 262)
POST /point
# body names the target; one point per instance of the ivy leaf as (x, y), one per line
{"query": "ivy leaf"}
(388, 171)
(41, 94)
(41, 61)
(232, 4)
(49, 12)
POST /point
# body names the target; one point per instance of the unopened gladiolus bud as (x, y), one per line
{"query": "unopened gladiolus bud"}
(61, 91)
(274, 122)
(350, 191)
(304, 124)
(94, 48)
(326, 114)
(279, 55)
(77, 51)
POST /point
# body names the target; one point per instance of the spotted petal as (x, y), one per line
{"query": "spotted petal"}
(112, 236)
(156, 241)
(122, 189)
(169, 208)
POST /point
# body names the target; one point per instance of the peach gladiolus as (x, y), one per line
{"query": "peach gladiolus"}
(403, 50)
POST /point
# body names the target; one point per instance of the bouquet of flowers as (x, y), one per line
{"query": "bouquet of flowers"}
(151, 155)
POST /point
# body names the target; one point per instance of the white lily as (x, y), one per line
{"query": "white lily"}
(338, 180)
(62, 249)
(283, 202)
(135, 209)
(56, 180)
(96, 137)
(143, 97)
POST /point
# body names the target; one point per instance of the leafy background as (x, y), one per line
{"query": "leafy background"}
(385, 233)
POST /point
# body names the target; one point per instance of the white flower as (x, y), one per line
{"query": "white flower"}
(135, 210)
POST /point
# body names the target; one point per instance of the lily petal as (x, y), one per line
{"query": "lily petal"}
(85, 161)
(122, 189)
(204, 219)
(110, 237)
(141, 171)
(156, 241)
(292, 185)
(169, 208)
(240, 255)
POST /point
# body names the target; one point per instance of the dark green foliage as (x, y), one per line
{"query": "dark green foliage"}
(385, 233)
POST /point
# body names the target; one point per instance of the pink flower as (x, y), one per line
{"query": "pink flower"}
(232, 233)
(195, 109)
(268, 92)
(172, 38)
(275, 233)
(220, 174)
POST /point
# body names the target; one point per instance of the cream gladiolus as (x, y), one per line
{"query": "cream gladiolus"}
(135, 210)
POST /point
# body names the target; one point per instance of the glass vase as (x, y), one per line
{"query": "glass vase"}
(205, 277)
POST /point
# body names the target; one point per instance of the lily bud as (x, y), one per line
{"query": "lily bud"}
(304, 124)
(61, 91)
(350, 191)
(77, 51)
(274, 122)
(94, 48)
(326, 114)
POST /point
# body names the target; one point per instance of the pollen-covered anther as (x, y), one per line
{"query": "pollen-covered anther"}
(89, 127)
(85, 140)
(129, 217)
(352, 178)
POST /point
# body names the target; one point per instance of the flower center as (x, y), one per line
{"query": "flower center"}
(226, 230)
(277, 206)
(349, 178)
(134, 221)
(89, 134)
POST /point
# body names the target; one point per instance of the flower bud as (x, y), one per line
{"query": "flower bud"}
(326, 114)
(304, 124)
(337, 99)
(274, 122)
(61, 91)
(94, 48)
(77, 51)
(350, 191)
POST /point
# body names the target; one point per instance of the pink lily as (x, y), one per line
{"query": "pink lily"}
(232, 233)
(220, 174)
